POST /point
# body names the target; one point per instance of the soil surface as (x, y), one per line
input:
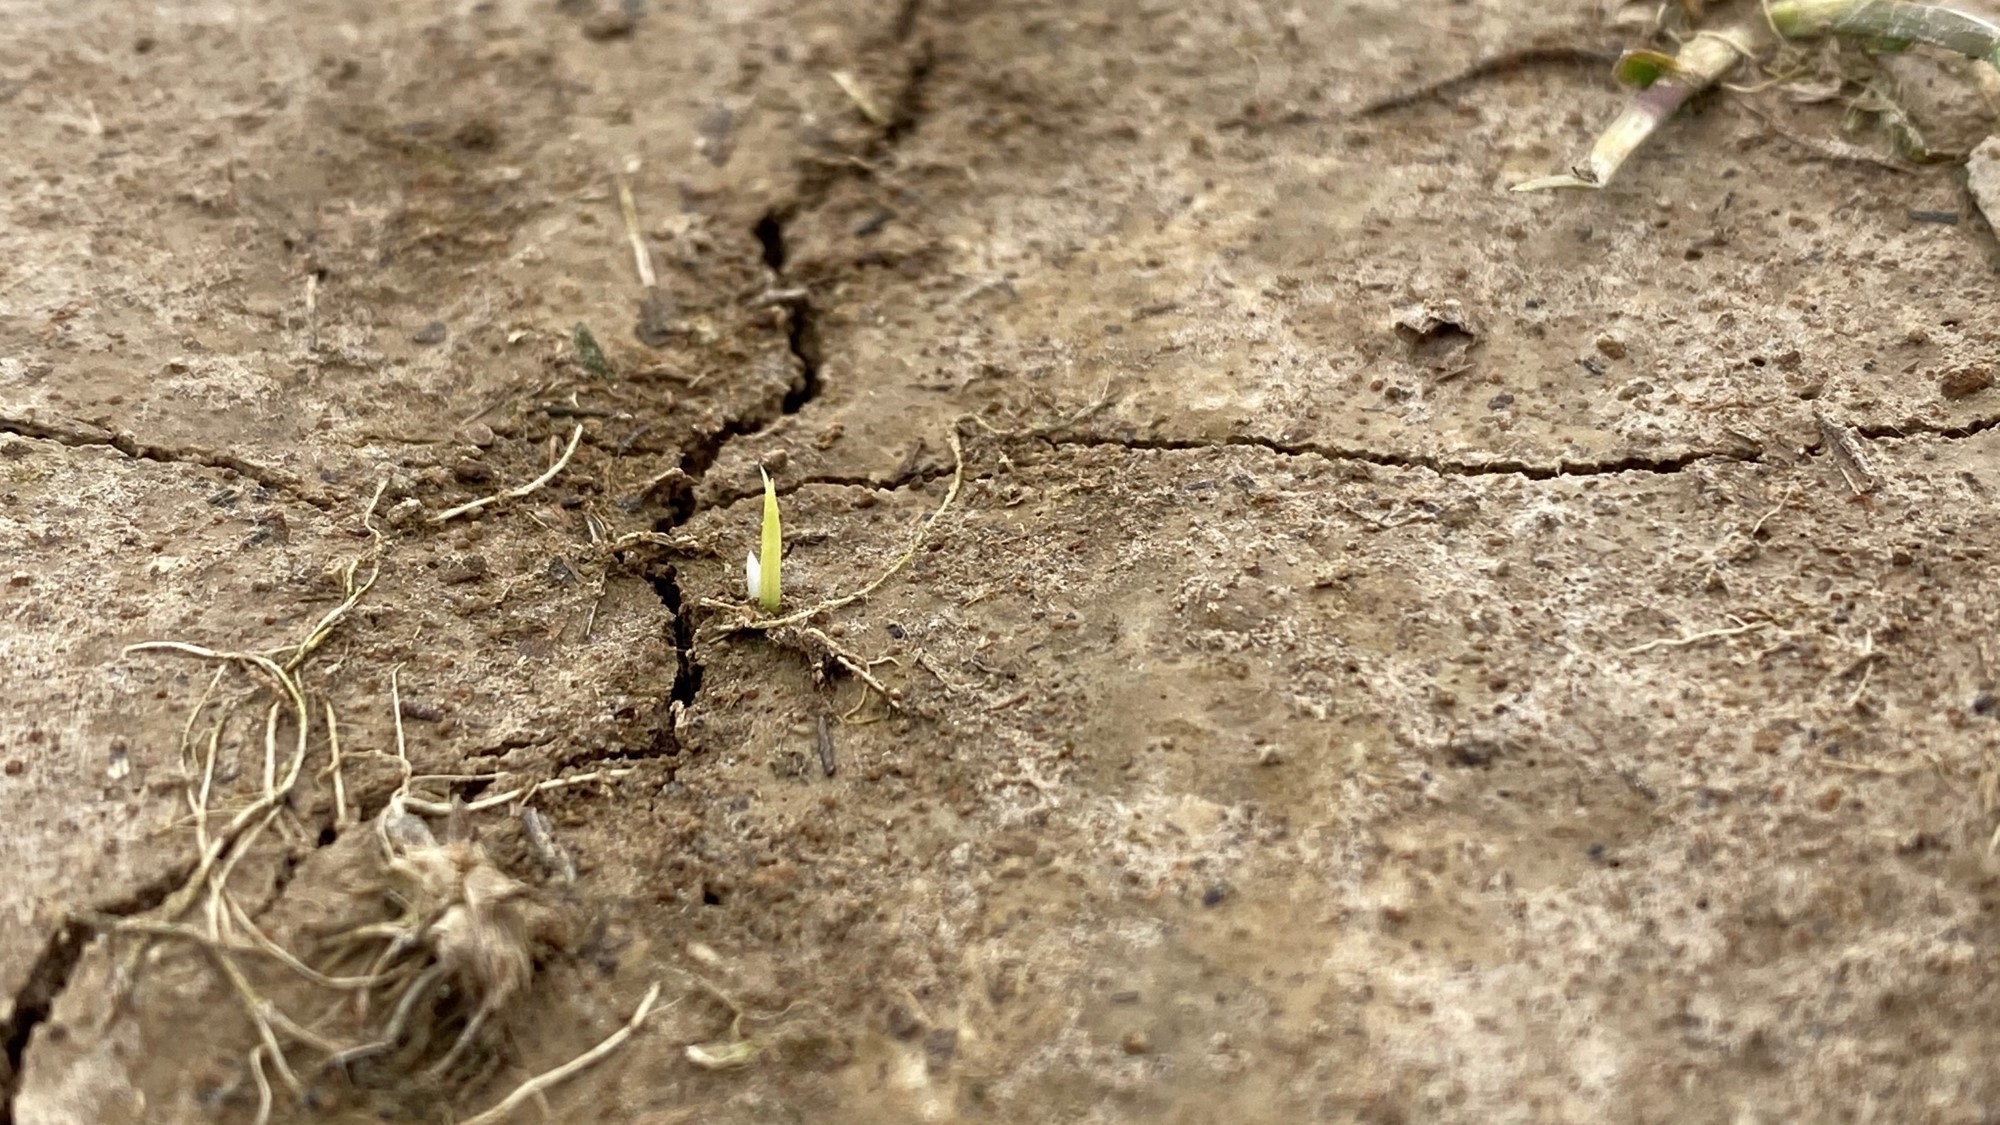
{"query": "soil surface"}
(1358, 644)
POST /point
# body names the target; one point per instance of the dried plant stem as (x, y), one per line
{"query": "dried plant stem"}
(640, 257)
(535, 1086)
(398, 1020)
(1695, 638)
(263, 1086)
(518, 492)
(1701, 63)
(443, 808)
(258, 813)
(342, 817)
(351, 590)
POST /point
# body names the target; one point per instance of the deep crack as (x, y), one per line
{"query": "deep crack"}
(802, 336)
(770, 235)
(687, 674)
(802, 339)
(1927, 429)
(50, 975)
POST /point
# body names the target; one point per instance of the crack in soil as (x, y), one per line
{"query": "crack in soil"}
(894, 483)
(1927, 429)
(1443, 466)
(1458, 467)
(84, 435)
(801, 337)
(50, 975)
(1506, 62)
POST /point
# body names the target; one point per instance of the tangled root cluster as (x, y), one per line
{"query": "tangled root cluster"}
(459, 946)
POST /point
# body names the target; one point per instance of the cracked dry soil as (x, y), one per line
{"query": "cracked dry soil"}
(1285, 727)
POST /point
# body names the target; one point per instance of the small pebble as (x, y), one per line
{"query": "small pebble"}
(470, 568)
(1137, 1043)
(1964, 382)
(405, 512)
(421, 711)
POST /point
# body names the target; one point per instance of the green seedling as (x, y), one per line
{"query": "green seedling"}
(590, 355)
(760, 575)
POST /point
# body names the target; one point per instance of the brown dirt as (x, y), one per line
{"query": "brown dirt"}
(1289, 723)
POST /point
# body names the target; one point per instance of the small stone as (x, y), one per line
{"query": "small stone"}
(432, 333)
(472, 471)
(420, 711)
(470, 568)
(1431, 321)
(405, 512)
(658, 315)
(1137, 1043)
(16, 767)
(1964, 382)
(1475, 750)
(1611, 347)
(1982, 178)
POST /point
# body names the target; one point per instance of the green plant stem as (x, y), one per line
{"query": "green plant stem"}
(1904, 21)
(1699, 65)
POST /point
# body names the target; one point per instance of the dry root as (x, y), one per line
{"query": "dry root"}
(459, 946)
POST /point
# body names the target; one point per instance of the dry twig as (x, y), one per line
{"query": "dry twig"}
(535, 1086)
(1695, 638)
(518, 492)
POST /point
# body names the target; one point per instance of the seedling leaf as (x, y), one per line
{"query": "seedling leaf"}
(772, 549)
(590, 356)
(1641, 67)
